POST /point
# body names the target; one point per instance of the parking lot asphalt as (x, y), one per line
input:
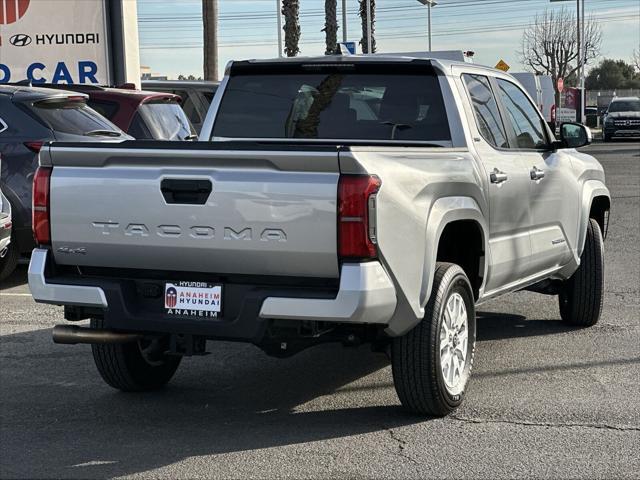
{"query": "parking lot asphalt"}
(545, 400)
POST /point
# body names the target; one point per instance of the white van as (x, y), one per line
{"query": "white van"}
(540, 87)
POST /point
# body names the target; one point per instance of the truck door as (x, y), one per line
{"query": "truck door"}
(553, 198)
(507, 187)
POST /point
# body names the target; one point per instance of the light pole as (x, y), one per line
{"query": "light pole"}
(369, 28)
(582, 51)
(429, 4)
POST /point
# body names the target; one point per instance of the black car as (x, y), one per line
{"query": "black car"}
(29, 117)
(622, 118)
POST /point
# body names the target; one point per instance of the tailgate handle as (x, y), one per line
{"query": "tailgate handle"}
(187, 192)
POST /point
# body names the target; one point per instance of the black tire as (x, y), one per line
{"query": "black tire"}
(415, 357)
(124, 367)
(607, 138)
(581, 296)
(9, 262)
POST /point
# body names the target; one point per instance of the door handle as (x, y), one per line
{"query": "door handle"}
(497, 176)
(536, 174)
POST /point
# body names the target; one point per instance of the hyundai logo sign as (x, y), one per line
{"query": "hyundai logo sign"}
(20, 40)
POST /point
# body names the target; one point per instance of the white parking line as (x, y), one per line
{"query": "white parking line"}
(15, 294)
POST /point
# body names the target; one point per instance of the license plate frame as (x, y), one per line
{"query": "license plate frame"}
(194, 300)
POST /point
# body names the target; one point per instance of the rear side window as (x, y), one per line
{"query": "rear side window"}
(334, 105)
(526, 122)
(485, 110)
(188, 106)
(104, 108)
(161, 121)
(71, 117)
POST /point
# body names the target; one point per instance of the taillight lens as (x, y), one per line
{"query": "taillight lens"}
(553, 113)
(35, 147)
(356, 231)
(40, 206)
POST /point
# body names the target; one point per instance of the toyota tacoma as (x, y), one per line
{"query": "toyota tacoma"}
(356, 199)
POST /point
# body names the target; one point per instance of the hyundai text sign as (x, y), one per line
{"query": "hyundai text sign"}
(54, 41)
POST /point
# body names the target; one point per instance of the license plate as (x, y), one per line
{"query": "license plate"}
(193, 299)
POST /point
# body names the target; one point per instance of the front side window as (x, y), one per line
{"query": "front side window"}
(523, 116)
(485, 110)
(334, 105)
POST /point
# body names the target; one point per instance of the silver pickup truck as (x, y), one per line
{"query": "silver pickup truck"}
(336, 199)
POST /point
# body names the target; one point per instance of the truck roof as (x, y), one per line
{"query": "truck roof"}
(442, 64)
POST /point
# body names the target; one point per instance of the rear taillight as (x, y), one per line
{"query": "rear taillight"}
(553, 113)
(40, 206)
(356, 219)
(35, 147)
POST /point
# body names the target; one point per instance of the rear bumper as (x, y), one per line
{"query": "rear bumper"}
(365, 295)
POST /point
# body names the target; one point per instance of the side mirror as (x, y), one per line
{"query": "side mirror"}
(574, 135)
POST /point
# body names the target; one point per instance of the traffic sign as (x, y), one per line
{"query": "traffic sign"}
(502, 65)
(348, 48)
(560, 84)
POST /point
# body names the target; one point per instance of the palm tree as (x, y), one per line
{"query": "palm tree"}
(331, 26)
(363, 16)
(291, 10)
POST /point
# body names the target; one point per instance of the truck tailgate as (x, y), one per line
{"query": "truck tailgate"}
(195, 209)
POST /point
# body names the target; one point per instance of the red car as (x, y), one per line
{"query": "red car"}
(143, 115)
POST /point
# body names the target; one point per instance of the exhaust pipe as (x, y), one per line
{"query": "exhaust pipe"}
(72, 335)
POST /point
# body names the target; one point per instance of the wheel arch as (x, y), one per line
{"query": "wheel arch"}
(596, 204)
(454, 222)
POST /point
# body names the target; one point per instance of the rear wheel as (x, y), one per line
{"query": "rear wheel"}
(432, 363)
(9, 261)
(136, 366)
(581, 296)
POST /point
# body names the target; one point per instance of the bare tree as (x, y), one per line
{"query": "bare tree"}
(550, 44)
(363, 15)
(331, 26)
(635, 60)
(210, 33)
(291, 12)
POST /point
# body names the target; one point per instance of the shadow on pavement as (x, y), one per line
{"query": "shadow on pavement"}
(16, 279)
(59, 420)
(496, 326)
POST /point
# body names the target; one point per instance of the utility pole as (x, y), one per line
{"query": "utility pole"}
(344, 21)
(210, 33)
(279, 17)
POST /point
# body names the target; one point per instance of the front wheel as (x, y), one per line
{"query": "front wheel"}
(581, 295)
(136, 366)
(9, 260)
(432, 363)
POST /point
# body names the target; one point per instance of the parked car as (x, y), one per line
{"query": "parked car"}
(30, 117)
(196, 96)
(540, 89)
(622, 118)
(141, 114)
(316, 221)
(5, 220)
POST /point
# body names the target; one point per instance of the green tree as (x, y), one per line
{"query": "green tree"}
(291, 12)
(612, 74)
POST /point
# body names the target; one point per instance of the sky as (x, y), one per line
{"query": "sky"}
(171, 30)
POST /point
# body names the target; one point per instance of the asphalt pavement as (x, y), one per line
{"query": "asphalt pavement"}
(545, 400)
